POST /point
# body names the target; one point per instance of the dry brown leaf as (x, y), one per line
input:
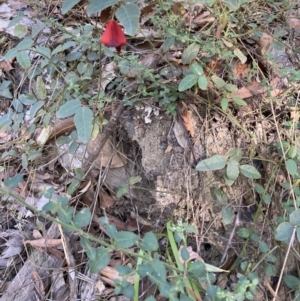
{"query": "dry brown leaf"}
(62, 126)
(18, 5)
(240, 70)
(168, 149)
(86, 186)
(44, 242)
(36, 234)
(180, 135)
(215, 66)
(294, 23)
(118, 223)
(178, 9)
(6, 66)
(108, 155)
(246, 92)
(148, 8)
(112, 273)
(187, 119)
(265, 40)
(105, 199)
(38, 284)
(192, 255)
(219, 31)
(208, 20)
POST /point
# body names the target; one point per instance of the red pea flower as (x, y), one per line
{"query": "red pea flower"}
(113, 36)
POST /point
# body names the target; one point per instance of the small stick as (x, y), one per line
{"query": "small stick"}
(110, 127)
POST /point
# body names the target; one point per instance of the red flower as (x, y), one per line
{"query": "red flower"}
(113, 36)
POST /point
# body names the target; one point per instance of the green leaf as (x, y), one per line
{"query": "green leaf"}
(266, 198)
(24, 161)
(151, 298)
(83, 218)
(298, 233)
(159, 271)
(258, 188)
(73, 186)
(134, 180)
(46, 52)
(25, 44)
(196, 69)
(144, 269)
(18, 106)
(232, 170)
(190, 53)
(84, 123)
(202, 82)
(197, 268)
(37, 29)
(270, 269)
(295, 217)
(236, 154)
(239, 101)
(168, 43)
(85, 243)
(65, 214)
(185, 254)
(215, 162)
(219, 194)
(240, 55)
(17, 19)
(227, 215)
(129, 17)
(35, 108)
(224, 104)
(97, 6)
(81, 67)
(219, 82)
(124, 270)
(122, 190)
(291, 281)
(279, 32)
(67, 5)
(63, 47)
(278, 45)
(20, 31)
(125, 288)
(68, 109)
(27, 99)
(11, 53)
(292, 151)
(102, 260)
(213, 269)
(250, 171)
(291, 167)
(149, 242)
(111, 230)
(232, 5)
(13, 182)
(23, 59)
(50, 206)
(231, 88)
(125, 239)
(187, 82)
(284, 232)
(264, 247)
(40, 88)
(243, 232)
(73, 56)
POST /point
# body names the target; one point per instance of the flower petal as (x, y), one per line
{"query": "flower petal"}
(113, 35)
